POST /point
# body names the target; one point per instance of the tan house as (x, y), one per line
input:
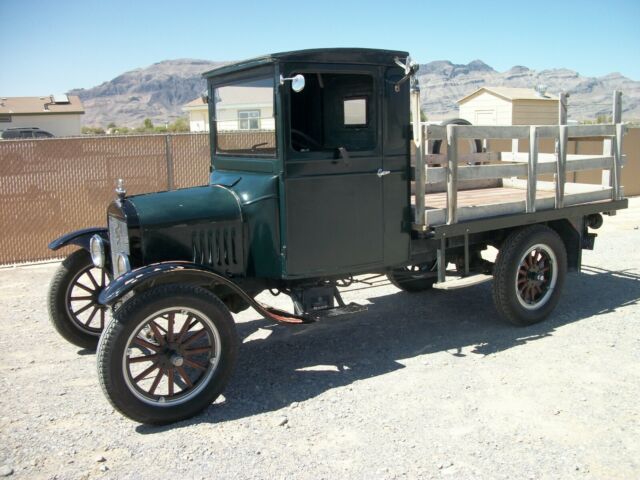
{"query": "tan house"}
(237, 107)
(198, 112)
(57, 114)
(509, 106)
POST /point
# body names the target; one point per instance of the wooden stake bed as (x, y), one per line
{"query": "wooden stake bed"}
(473, 204)
(480, 197)
(512, 195)
(492, 202)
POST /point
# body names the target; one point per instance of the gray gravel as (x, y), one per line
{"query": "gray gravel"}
(426, 385)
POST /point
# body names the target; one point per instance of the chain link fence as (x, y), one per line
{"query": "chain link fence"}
(53, 186)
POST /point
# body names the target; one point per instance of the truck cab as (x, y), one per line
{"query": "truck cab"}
(321, 170)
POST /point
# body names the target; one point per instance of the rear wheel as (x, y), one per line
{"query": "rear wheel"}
(414, 278)
(74, 310)
(529, 274)
(167, 354)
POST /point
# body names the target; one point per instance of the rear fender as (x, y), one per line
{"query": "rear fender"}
(80, 238)
(186, 272)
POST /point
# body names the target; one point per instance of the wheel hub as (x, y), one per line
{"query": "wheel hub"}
(176, 360)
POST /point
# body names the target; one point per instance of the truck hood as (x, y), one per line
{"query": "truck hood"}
(186, 206)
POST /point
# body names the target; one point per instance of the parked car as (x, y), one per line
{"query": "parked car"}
(24, 132)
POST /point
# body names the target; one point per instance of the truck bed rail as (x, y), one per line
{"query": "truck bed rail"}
(525, 194)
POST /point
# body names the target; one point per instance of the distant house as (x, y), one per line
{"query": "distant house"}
(198, 112)
(238, 108)
(509, 106)
(58, 114)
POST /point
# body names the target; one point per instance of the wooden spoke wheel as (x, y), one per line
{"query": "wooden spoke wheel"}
(537, 276)
(529, 274)
(171, 355)
(167, 354)
(73, 300)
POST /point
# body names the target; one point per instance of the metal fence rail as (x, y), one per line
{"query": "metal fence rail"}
(51, 186)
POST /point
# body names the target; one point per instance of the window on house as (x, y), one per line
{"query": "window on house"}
(5, 118)
(249, 119)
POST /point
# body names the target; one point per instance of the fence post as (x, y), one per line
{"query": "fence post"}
(452, 175)
(608, 147)
(561, 166)
(168, 150)
(562, 108)
(419, 179)
(532, 170)
(616, 171)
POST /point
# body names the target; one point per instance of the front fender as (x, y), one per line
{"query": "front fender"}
(165, 272)
(185, 272)
(80, 238)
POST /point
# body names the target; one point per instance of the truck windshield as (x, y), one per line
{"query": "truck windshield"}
(244, 120)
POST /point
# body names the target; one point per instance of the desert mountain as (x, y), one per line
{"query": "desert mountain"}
(159, 91)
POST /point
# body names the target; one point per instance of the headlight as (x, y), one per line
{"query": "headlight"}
(96, 249)
(122, 264)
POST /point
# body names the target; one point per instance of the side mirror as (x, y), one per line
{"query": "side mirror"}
(204, 97)
(297, 82)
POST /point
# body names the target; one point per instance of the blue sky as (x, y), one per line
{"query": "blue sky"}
(53, 46)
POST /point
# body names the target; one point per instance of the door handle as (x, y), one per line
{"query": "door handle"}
(382, 173)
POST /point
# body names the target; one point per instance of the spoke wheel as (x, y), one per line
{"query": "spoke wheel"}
(74, 310)
(167, 354)
(82, 294)
(536, 277)
(529, 274)
(171, 355)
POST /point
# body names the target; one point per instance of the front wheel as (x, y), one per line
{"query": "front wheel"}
(529, 274)
(74, 310)
(167, 354)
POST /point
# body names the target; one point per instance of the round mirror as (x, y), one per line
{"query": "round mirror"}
(297, 83)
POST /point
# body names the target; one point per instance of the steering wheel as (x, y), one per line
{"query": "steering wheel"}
(303, 140)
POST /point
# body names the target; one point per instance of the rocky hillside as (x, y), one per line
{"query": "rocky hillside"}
(443, 83)
(159, 91)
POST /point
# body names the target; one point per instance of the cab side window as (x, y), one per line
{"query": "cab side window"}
(334, 111)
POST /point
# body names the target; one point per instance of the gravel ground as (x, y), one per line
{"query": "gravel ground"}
(424, 385)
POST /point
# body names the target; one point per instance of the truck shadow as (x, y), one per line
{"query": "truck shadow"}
(294, 364)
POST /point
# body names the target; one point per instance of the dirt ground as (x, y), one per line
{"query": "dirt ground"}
(428, 385)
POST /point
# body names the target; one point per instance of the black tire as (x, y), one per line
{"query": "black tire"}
(414, 278)
(80, 321)
(132, 328)
(437, 144)
(529, 275)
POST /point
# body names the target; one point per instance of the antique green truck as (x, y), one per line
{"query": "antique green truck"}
(321, 171)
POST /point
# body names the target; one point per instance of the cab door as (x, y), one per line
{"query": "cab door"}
(333, 178)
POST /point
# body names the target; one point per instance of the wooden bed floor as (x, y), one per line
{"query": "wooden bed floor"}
(483, 196)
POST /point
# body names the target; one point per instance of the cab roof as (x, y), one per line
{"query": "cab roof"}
(353, 56)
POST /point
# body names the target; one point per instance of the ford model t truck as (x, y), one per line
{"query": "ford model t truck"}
(312, 183)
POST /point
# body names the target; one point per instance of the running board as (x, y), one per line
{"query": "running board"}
(462, 282)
